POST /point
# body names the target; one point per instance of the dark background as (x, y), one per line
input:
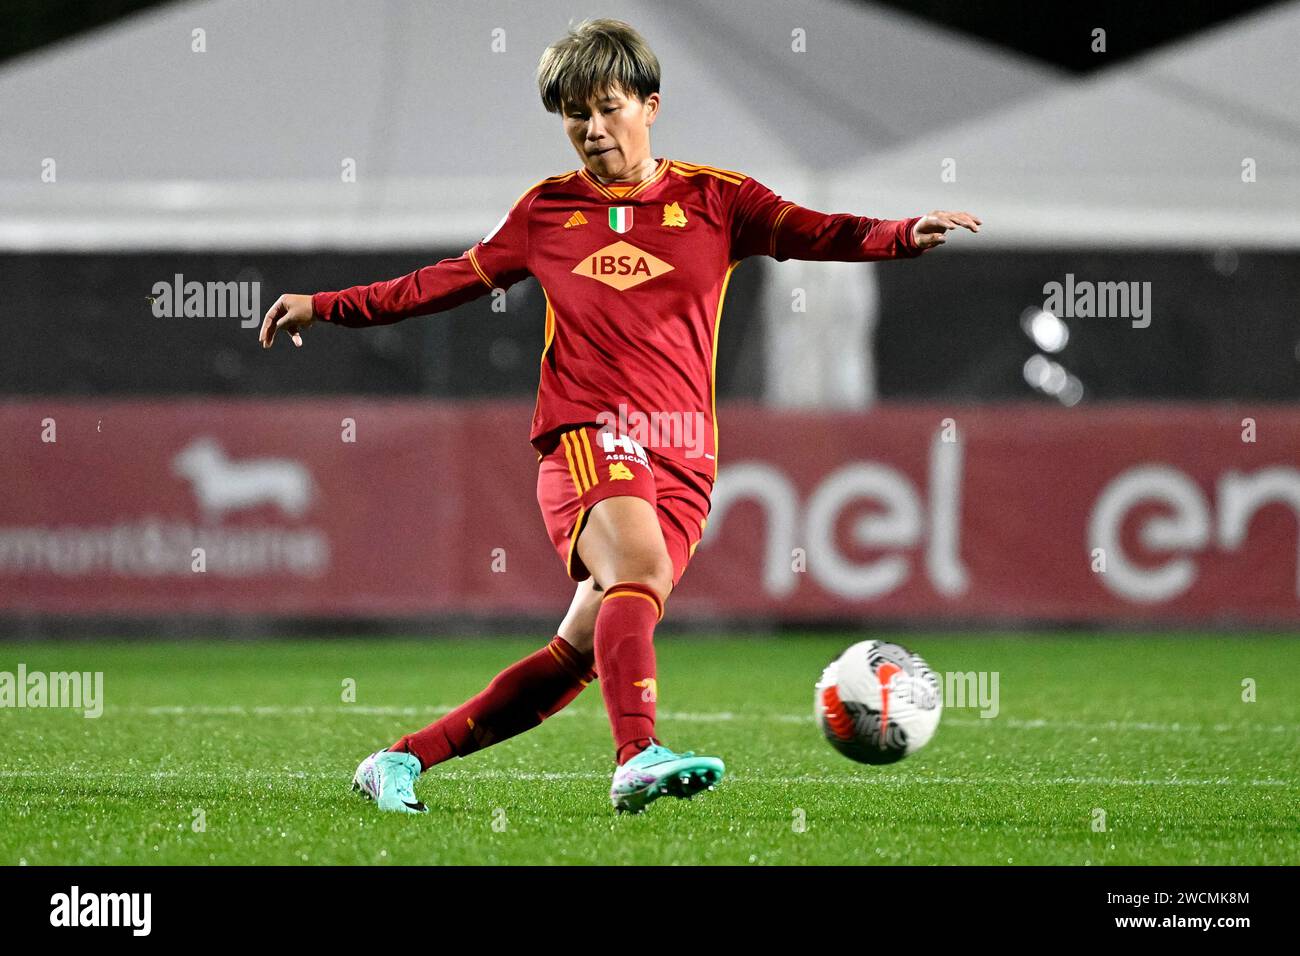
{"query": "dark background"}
(1225, 326)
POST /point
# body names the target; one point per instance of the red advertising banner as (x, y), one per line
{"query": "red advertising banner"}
(358, 507)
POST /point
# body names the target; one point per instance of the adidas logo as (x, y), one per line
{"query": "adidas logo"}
(577, 219)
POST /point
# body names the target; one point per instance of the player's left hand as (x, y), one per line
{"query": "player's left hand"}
(931, 230)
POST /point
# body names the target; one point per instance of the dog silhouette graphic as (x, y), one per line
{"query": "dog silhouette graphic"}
(221, 485)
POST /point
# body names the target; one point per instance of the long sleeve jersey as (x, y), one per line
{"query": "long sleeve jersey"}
(634, 278)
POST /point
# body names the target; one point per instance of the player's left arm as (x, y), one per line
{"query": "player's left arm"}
(764, 223)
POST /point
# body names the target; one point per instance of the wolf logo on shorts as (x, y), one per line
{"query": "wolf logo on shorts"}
(590, 463)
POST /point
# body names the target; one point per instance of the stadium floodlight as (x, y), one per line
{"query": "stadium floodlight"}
(1051, 378)
(1047, 331)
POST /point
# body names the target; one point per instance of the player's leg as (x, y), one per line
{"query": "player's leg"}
(517, 699)
(624, 547)
(579, 624)
(520, 697)
(602, 504)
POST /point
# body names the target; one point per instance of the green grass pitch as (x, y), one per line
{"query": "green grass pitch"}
(253, 741)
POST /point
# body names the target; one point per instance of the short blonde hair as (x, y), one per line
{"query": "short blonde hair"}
(595, 57)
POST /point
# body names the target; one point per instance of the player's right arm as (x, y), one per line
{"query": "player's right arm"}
(496, 262)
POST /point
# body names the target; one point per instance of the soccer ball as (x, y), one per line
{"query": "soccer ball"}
(878, 702)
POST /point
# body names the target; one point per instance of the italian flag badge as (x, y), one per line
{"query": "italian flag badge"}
(620, 218)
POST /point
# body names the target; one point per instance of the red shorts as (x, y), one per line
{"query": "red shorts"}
(583, 469)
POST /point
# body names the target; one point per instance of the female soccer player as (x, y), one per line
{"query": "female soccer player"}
(633, 254)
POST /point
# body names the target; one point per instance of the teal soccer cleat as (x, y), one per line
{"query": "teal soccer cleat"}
(658, 771)
(388, 778)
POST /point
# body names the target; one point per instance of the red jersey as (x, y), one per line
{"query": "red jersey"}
(634, 277)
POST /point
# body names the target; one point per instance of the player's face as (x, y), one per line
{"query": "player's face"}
(612, 133)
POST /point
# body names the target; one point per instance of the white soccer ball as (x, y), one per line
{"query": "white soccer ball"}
(878, 702)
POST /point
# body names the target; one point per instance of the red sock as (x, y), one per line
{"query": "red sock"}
(518, 699)
(625, 658)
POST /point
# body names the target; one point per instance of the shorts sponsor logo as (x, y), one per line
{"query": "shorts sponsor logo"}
(687, 431)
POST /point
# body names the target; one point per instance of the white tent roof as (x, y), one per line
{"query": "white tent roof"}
(242, 146)
(1149, 153)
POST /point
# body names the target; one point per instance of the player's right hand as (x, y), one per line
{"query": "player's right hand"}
(293, 313)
